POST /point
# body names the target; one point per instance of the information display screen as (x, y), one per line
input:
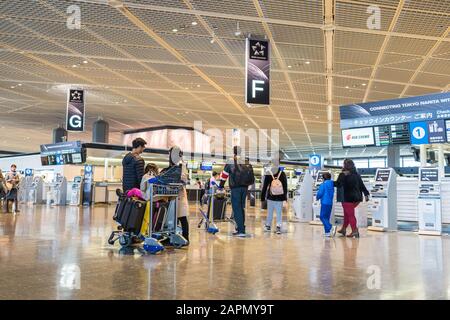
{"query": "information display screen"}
(192, 165)
(399, 133)
(391, 134)
(63, 153)
(206, 166)
(437, 131)
(431, 174)
(447, 127)
(383, 175)
(358, 137)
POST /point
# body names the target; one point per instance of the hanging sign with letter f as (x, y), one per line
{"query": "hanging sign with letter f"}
(257, 72)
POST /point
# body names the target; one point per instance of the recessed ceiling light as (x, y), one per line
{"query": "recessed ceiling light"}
(198, 86)
(125, 101)
(74, 66)
(186, 112)
(346, 87)
(174, 30)
(194, 23)
(363, 84)
(307, 62)
(19, 84)
(213, 40)
(186, 88)
(12, 87)
(85, 61)
(289, 67)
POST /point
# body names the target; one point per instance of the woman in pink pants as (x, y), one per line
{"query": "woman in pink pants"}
(353, 188)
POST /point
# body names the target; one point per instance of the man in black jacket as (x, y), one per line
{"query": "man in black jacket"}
(133, 166)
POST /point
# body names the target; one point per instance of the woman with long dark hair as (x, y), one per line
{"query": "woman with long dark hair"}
(353, 188)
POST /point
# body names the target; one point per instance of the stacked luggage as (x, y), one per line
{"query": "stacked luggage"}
(129, 214)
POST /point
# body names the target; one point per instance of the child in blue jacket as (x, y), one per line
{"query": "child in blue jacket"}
(326, 196)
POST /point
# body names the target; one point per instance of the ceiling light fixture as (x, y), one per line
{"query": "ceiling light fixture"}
(346, 87)
(307, 62)
(174, 30)
(85, 61)
(12, 87)
(194, 23)
(74, 66)
(363, 84)
(212, 40)
(289, 67)
(238, 30)
(19, 84)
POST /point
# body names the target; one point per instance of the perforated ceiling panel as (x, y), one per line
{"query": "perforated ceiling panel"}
(176, 61)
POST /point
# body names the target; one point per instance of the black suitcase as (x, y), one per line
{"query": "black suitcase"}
(219, 210)
(120, 207)
(126, 212)
(135, 216)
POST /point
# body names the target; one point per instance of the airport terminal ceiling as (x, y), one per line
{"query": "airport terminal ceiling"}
(150, 63)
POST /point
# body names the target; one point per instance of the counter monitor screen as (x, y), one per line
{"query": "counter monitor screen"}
(392, 134)
(383, 175)
(429, 174)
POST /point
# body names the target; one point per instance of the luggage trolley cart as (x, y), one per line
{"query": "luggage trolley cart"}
(216, 212)
(162, 224)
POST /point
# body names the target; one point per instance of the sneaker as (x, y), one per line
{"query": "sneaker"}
(266, 228)
(278, 230)
(239, 234)
(333, 231)
(327, 235)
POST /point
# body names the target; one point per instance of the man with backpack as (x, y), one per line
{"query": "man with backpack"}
(275, 190)
(240, 177)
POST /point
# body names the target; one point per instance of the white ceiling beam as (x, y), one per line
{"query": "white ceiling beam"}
(261, 19)
(426, 58)
(383, 47)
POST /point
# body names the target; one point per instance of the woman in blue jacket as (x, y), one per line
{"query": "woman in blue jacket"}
(326, 196)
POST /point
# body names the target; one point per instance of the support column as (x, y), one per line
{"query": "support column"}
(423, 155)
(441, 159)
(393, 156)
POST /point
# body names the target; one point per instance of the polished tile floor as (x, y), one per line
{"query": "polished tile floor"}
(61, 253)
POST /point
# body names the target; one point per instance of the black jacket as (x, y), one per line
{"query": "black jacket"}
(265, 194)
(133, 171)
(352, 185)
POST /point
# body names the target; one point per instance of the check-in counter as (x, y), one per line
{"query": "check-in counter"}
(101, 192)
(112, 195)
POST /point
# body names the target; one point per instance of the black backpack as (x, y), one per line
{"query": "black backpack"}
(243, 175)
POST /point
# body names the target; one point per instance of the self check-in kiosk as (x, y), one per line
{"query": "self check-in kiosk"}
(57, 192)
(429, 202)
(383, 205)
(316, 204)
(76, 191)
(303, 198)
(35, 191)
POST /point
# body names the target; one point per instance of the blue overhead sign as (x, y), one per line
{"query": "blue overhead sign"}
(315, 161)
(412, 109)
(419, 132)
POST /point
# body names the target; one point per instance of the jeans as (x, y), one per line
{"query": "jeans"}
(349, 215)
(184, 227)
(325, 215)
(271, 206)
(238, 199)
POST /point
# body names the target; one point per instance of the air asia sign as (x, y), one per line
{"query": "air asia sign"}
(358, 137)
(257, 72)
(75, 110)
